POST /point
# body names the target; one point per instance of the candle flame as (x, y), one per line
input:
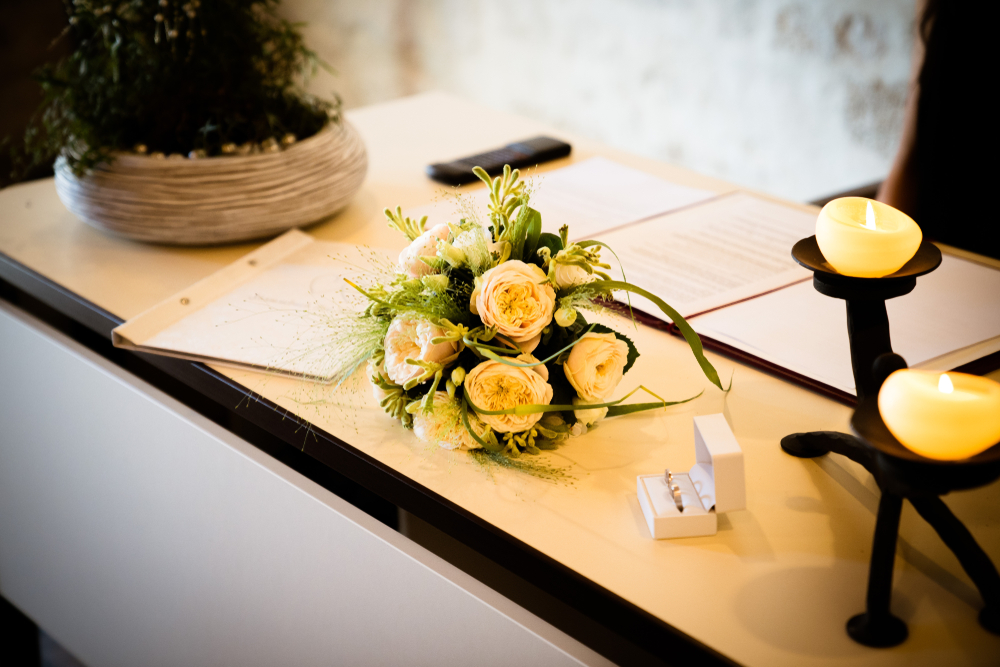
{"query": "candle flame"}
(870, 217)
(944, 384)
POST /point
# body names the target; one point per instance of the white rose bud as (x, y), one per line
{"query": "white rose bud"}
(443, 425)
(595, 365)
(570, 275)
(376, 370)
(467, 239)
(588, 417)
(458, 376)
(424, 245)
(565, 316)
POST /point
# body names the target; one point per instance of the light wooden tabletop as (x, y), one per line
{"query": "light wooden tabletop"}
(778, 582)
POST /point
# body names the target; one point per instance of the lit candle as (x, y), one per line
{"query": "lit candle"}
(865, 238)
(945, 416)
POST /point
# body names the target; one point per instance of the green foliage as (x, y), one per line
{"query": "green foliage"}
(546, 240)
(530, 221)
(411, 228)
(409, 297)
(175, 76)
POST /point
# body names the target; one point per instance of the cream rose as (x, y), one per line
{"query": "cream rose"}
(411, 339)
(595, 366)
(467, 240)
(443, 426)
(424, 245)
(511, 298)
(495, 386)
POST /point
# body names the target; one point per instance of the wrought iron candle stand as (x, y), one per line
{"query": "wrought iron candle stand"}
(899, 472)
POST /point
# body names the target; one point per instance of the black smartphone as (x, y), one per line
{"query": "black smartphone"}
(518, 155)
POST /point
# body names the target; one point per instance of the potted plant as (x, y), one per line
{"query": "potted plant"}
(185, 121)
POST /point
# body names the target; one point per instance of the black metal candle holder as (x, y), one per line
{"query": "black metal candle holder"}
(899, 472)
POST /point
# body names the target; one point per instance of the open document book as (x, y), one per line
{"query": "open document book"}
(724, 262)
(272, 310)
(726, 266)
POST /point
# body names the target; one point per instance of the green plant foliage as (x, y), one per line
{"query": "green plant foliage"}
(546, 240)
(174, 76)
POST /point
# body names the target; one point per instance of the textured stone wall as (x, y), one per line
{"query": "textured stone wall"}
(799, 99)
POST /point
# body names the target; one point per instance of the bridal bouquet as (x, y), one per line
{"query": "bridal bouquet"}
(479, 339)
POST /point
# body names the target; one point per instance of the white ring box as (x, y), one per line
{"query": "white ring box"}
(715, 484)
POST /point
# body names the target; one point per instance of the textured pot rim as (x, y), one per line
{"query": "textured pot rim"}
(134, 161)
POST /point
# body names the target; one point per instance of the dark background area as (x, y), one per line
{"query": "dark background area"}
(29, 32)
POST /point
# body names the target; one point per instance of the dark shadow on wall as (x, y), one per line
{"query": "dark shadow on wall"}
(869, 191)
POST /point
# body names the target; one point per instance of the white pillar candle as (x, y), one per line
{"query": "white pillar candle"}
(945, 416)
(865, 238)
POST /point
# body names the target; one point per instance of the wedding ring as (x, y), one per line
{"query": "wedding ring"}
(675, 493)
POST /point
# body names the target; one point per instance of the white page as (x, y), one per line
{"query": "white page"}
(712, 254)
(282, 320)
(592, 196)
(598, 195)
(956, 307)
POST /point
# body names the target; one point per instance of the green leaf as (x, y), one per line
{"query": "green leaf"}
(619, 410)
(488, 351)
(517, 235)
(550, 241)
(485, 443)
(536, 408)
(689, 334)
(633, 351)
(533, 231)
(562, 391)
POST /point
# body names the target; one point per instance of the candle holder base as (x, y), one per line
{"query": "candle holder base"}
(877, 631)
(902, 474)
(815, 444)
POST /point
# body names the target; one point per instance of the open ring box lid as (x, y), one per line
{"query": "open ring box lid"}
(716, 483)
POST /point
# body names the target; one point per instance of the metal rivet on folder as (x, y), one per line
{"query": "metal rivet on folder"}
(185, 301)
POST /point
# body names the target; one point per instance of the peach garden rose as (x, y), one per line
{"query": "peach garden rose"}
(515, 298)
(411, 339)
(496, 386)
